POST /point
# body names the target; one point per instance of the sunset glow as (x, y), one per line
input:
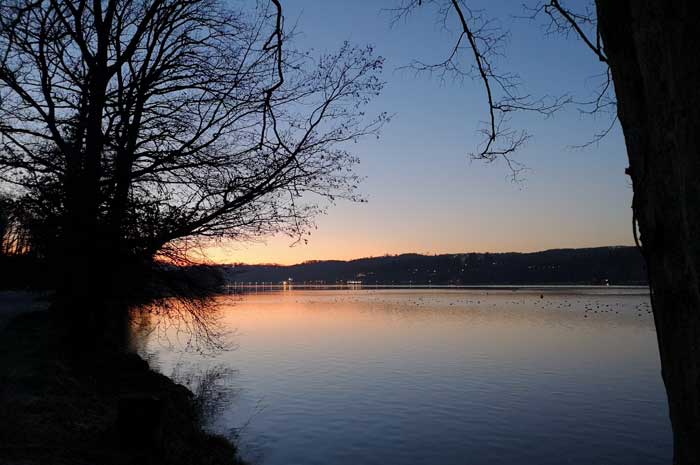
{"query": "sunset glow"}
(423, 193)
(405, 232)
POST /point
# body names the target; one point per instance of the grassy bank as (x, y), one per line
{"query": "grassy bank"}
(119, 411)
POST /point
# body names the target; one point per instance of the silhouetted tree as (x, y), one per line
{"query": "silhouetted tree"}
(649, 51)
(15, 235)
(142, 123)
(5, 219)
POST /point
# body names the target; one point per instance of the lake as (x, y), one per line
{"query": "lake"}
(436, 376)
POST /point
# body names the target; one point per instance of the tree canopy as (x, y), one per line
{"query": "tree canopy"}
(169, 119)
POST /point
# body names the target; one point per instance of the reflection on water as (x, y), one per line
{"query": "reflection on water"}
(442, 377)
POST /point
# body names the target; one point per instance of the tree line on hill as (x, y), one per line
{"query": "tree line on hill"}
(594, 266)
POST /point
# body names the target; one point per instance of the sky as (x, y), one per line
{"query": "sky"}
(424, 193)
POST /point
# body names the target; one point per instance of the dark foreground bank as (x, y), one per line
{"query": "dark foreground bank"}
(54, 410)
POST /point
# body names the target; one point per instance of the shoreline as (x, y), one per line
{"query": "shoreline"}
(118, 412)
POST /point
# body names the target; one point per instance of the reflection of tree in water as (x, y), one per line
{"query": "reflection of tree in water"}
(213, 387)
(181, 324)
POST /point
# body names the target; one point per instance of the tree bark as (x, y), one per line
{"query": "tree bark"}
(653, 49)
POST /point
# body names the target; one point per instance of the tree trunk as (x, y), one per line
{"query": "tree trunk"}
(78, 296)
(84, 260)
(653, 49)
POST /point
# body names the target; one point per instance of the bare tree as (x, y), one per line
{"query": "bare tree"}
(5, 224)
(139, 123)
(649, 50)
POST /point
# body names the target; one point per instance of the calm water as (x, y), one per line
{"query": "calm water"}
(440, 377)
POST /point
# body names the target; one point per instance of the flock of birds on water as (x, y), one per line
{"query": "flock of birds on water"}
(588, 305)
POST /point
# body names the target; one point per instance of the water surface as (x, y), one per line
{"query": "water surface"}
(440, 377)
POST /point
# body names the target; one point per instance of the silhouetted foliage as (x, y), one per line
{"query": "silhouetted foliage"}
(15, 237)
(176, 119)
(134, 129)
(5, 220)
(20, 267)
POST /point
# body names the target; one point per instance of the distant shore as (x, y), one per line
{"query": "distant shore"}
(614, 266)
(476, 287)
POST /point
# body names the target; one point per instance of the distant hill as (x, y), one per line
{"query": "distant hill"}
(600, 265)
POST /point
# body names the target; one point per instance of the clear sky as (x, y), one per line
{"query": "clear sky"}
(424, 194)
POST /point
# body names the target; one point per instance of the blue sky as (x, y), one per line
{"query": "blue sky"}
(424, 194)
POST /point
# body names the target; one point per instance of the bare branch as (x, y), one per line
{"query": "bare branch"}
(483, 41)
